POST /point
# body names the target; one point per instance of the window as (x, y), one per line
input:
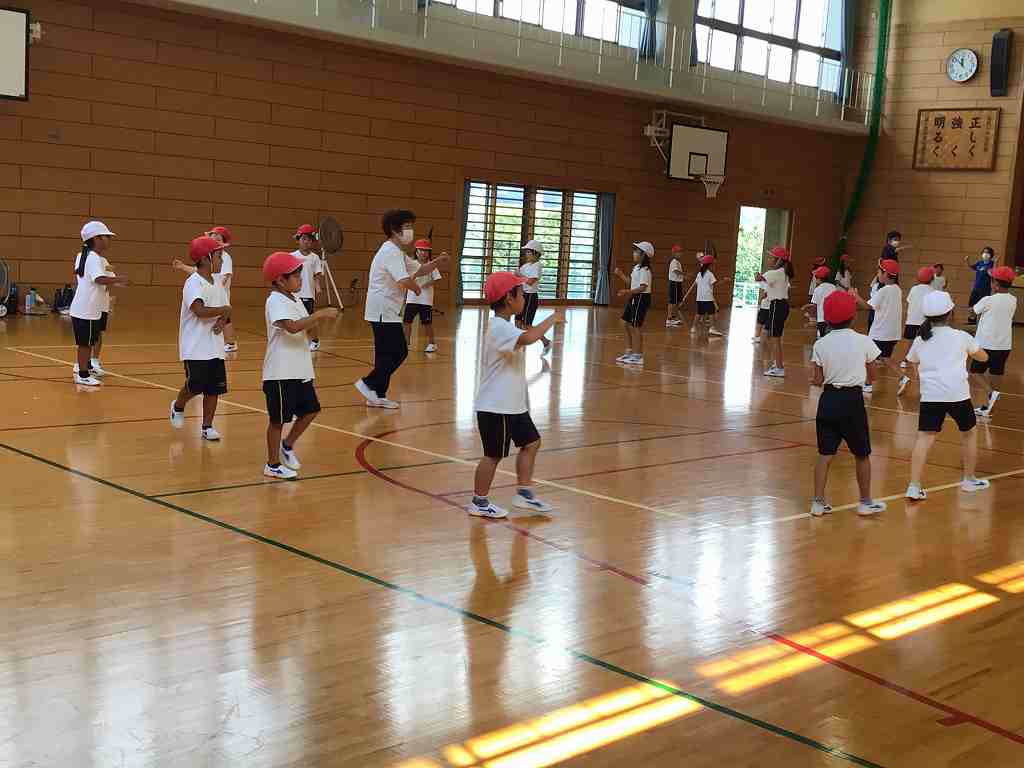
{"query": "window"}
(786, 40)
(501, 217)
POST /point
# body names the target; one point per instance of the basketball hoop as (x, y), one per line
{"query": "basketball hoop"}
(711, 184)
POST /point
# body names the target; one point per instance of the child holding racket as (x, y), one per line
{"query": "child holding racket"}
(312, 275)
(422, 305)
(288, 364)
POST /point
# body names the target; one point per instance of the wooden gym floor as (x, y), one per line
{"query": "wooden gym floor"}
(166, 605)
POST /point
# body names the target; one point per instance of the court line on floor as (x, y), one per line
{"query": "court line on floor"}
(508, 629)
(646, 581)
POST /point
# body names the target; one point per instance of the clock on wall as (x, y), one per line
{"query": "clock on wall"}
(962, 65)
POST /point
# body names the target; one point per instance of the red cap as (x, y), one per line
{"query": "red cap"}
(423, 245)
(844, 258)
(839, 307)
(279, 264)
(707, 259)
(1003, 274)
(202, 247)
(889, 266)
(498, 284)
(778, 252)
(224, 232)
(677, 248)
(822, 273)
(925, 275)
(305, 229)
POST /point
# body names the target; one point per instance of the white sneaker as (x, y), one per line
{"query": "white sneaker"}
(868, 508)
(383, 402)
(778, 373)
(624, 356)
(904, 381)
(289, 459)
(231, 347)
(97, 369)
(756, 339)
(634, 359)
(211, 434)
(281, 472)
(981, 412)
(492, 511)
(903, 364)
(314, 346)
(431, 348)
(177, 417)
(992, 401)
(364, 390)
(867, 389)
(522, 502)
(916, 493)
(973, 484)
(715, 332)
(819, 508)
(89, 381)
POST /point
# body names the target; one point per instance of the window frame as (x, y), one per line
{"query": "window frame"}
(740, 32)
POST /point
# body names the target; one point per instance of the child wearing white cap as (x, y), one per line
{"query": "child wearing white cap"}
(91, 297)
(531, 272)
(940, 354)
(638, 301)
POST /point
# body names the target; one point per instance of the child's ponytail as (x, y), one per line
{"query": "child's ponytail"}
(83, 256)
(927, 328)
(788, 266)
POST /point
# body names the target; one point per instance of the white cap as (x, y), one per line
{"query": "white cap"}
(645, 247)
(533, 245)
(94, 228)
(937, 304)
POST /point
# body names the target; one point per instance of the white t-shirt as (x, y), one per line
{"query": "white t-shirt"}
(196, 339)
(502, 370)
(426, 284)
(384, 296)
(226, 270)
(888, 306)
(995, 321)
(311, 265)
(939, 282)
(105, 295)
(942, 364)
(287, 355)
(675, 271)
(705, 286)
(640, 276)
(915, 298)
(89, 295)
(776, 284)
(530, 270)
(815, 282)
(818, 298)
(843, 355)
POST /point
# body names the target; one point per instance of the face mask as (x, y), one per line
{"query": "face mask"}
(407, 236)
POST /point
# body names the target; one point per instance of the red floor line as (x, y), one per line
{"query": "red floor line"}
(956, 716)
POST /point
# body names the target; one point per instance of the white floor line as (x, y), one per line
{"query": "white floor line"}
(389, 443)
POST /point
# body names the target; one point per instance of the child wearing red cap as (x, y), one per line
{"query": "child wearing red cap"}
(422, 305)
(223, 275)
(638, 301)
(675, 288)
(502, 401)
(815, 281)
(288, 363)
(841, 367)
(995, 335)
(312, 275)
(707, 305)
(940, 353)
(776, 283)
(204, 310)
(823, 290)
(939, 281)
(887, 326)
(915, 301)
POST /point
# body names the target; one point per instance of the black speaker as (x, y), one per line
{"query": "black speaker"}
(1002, 42)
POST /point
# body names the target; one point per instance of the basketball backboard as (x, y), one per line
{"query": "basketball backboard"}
(696, 152)
(14, 35)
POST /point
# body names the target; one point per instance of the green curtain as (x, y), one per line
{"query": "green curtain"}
(874, 129)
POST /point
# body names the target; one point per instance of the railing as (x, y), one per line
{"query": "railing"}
(656, 56)
(744, 294)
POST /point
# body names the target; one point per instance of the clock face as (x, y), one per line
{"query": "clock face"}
(962, 65)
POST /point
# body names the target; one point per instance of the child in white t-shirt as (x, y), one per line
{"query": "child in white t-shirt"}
(995, 335)
(844, 277)
(532, 272)
(817, 302)
(312, 275)
(887, 324)
(707, 305)
(842, 362)
(915, 303)
(940, 354)
(422, 305)
(288, 363)
(638, 301)
(223, 275)
(939, 281)
(204, 310)
(675, 288)
(502, 401)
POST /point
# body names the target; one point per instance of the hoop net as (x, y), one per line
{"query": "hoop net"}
(711, 184)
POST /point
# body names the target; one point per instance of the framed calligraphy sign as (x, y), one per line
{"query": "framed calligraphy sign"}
(956, 139)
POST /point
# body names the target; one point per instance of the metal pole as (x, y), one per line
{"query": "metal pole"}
(672, 64)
